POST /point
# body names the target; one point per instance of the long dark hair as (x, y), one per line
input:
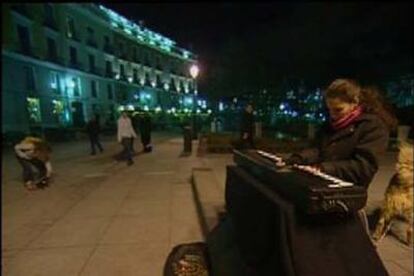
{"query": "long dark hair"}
(369, 97)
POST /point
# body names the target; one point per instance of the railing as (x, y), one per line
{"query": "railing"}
(54, 59)
(96, 71)
(74, 37)
(123, 56)
(109, 49)
(22, 10)
(75, 65)
(92, 43)
(27, 50)
(109, 74)
(51, 24)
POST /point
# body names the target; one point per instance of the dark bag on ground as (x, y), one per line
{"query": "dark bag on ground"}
(188, 259)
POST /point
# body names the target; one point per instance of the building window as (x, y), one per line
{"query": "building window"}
(49, 16)
(147, 79)
(33, 108)
(94, 88)
(108, 69)
(30, 78)
(73, 56)
(76, 87)
(135, 74)
(107, 45)
(24, 38)
(158, 62)
(91, 37)
(95, 109)
(111, 113)
(70, 30)
(58, 111)
(92, 63)
(121, 48)
(122, 71)
(110, 94)
(51, 49)
(55, 82)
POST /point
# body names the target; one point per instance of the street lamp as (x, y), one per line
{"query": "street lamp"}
(194, 70)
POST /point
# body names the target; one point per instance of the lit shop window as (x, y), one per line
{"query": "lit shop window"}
(58, 111)
(54, 82)
(33, 107)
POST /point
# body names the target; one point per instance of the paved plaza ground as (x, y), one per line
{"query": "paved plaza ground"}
(101, 217)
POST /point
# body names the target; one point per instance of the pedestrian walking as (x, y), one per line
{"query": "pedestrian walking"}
(93, 129)
(145, 131)
(126, 133)
(247, 127)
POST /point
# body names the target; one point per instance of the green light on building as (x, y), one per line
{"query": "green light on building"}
(142, 34)
(33, 107)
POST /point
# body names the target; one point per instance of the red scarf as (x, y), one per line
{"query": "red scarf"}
(347, 119)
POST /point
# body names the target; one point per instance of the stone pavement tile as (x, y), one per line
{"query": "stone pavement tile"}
(135, 229)
(182, 191)
(73, 232)
(109, 191)
(127, 260)
(24, 234)
(405, 264)
(184, 220)
(49, 262)
(395, 270)
(5, 266)
(94, 208)
(390, 249)
(151, 192)
(22, 208)
(185, 233)
(6, 258)
(50, 206)
(145, 209)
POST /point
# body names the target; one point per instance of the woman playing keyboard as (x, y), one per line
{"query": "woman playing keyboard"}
(355, 136)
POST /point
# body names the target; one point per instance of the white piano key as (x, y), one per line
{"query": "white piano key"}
(346, 184)
(334, 186)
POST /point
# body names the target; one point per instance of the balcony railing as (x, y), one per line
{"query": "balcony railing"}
(74, 36)
(55, 59)
(96, 71)
(92, 43)
(27, 50)
(51, 24)
(123, 77)
(22, 10)
(109, 49)
(122, 55)
(109, 74)
(75, 65)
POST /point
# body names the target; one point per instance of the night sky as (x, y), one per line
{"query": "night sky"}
(248, 47)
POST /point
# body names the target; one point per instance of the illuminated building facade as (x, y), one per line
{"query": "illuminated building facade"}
(63, 63)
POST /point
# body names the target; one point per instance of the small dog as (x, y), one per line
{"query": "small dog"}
(398, 201)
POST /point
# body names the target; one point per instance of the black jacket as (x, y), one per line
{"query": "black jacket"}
(93, 128)
(247, 123)
(352, 153)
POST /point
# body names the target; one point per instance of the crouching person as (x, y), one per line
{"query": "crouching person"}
(33, 155)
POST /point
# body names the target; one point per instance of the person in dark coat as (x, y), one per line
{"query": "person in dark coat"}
(93, 130)
(145, 131)
(246, 127)
(351, 143)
